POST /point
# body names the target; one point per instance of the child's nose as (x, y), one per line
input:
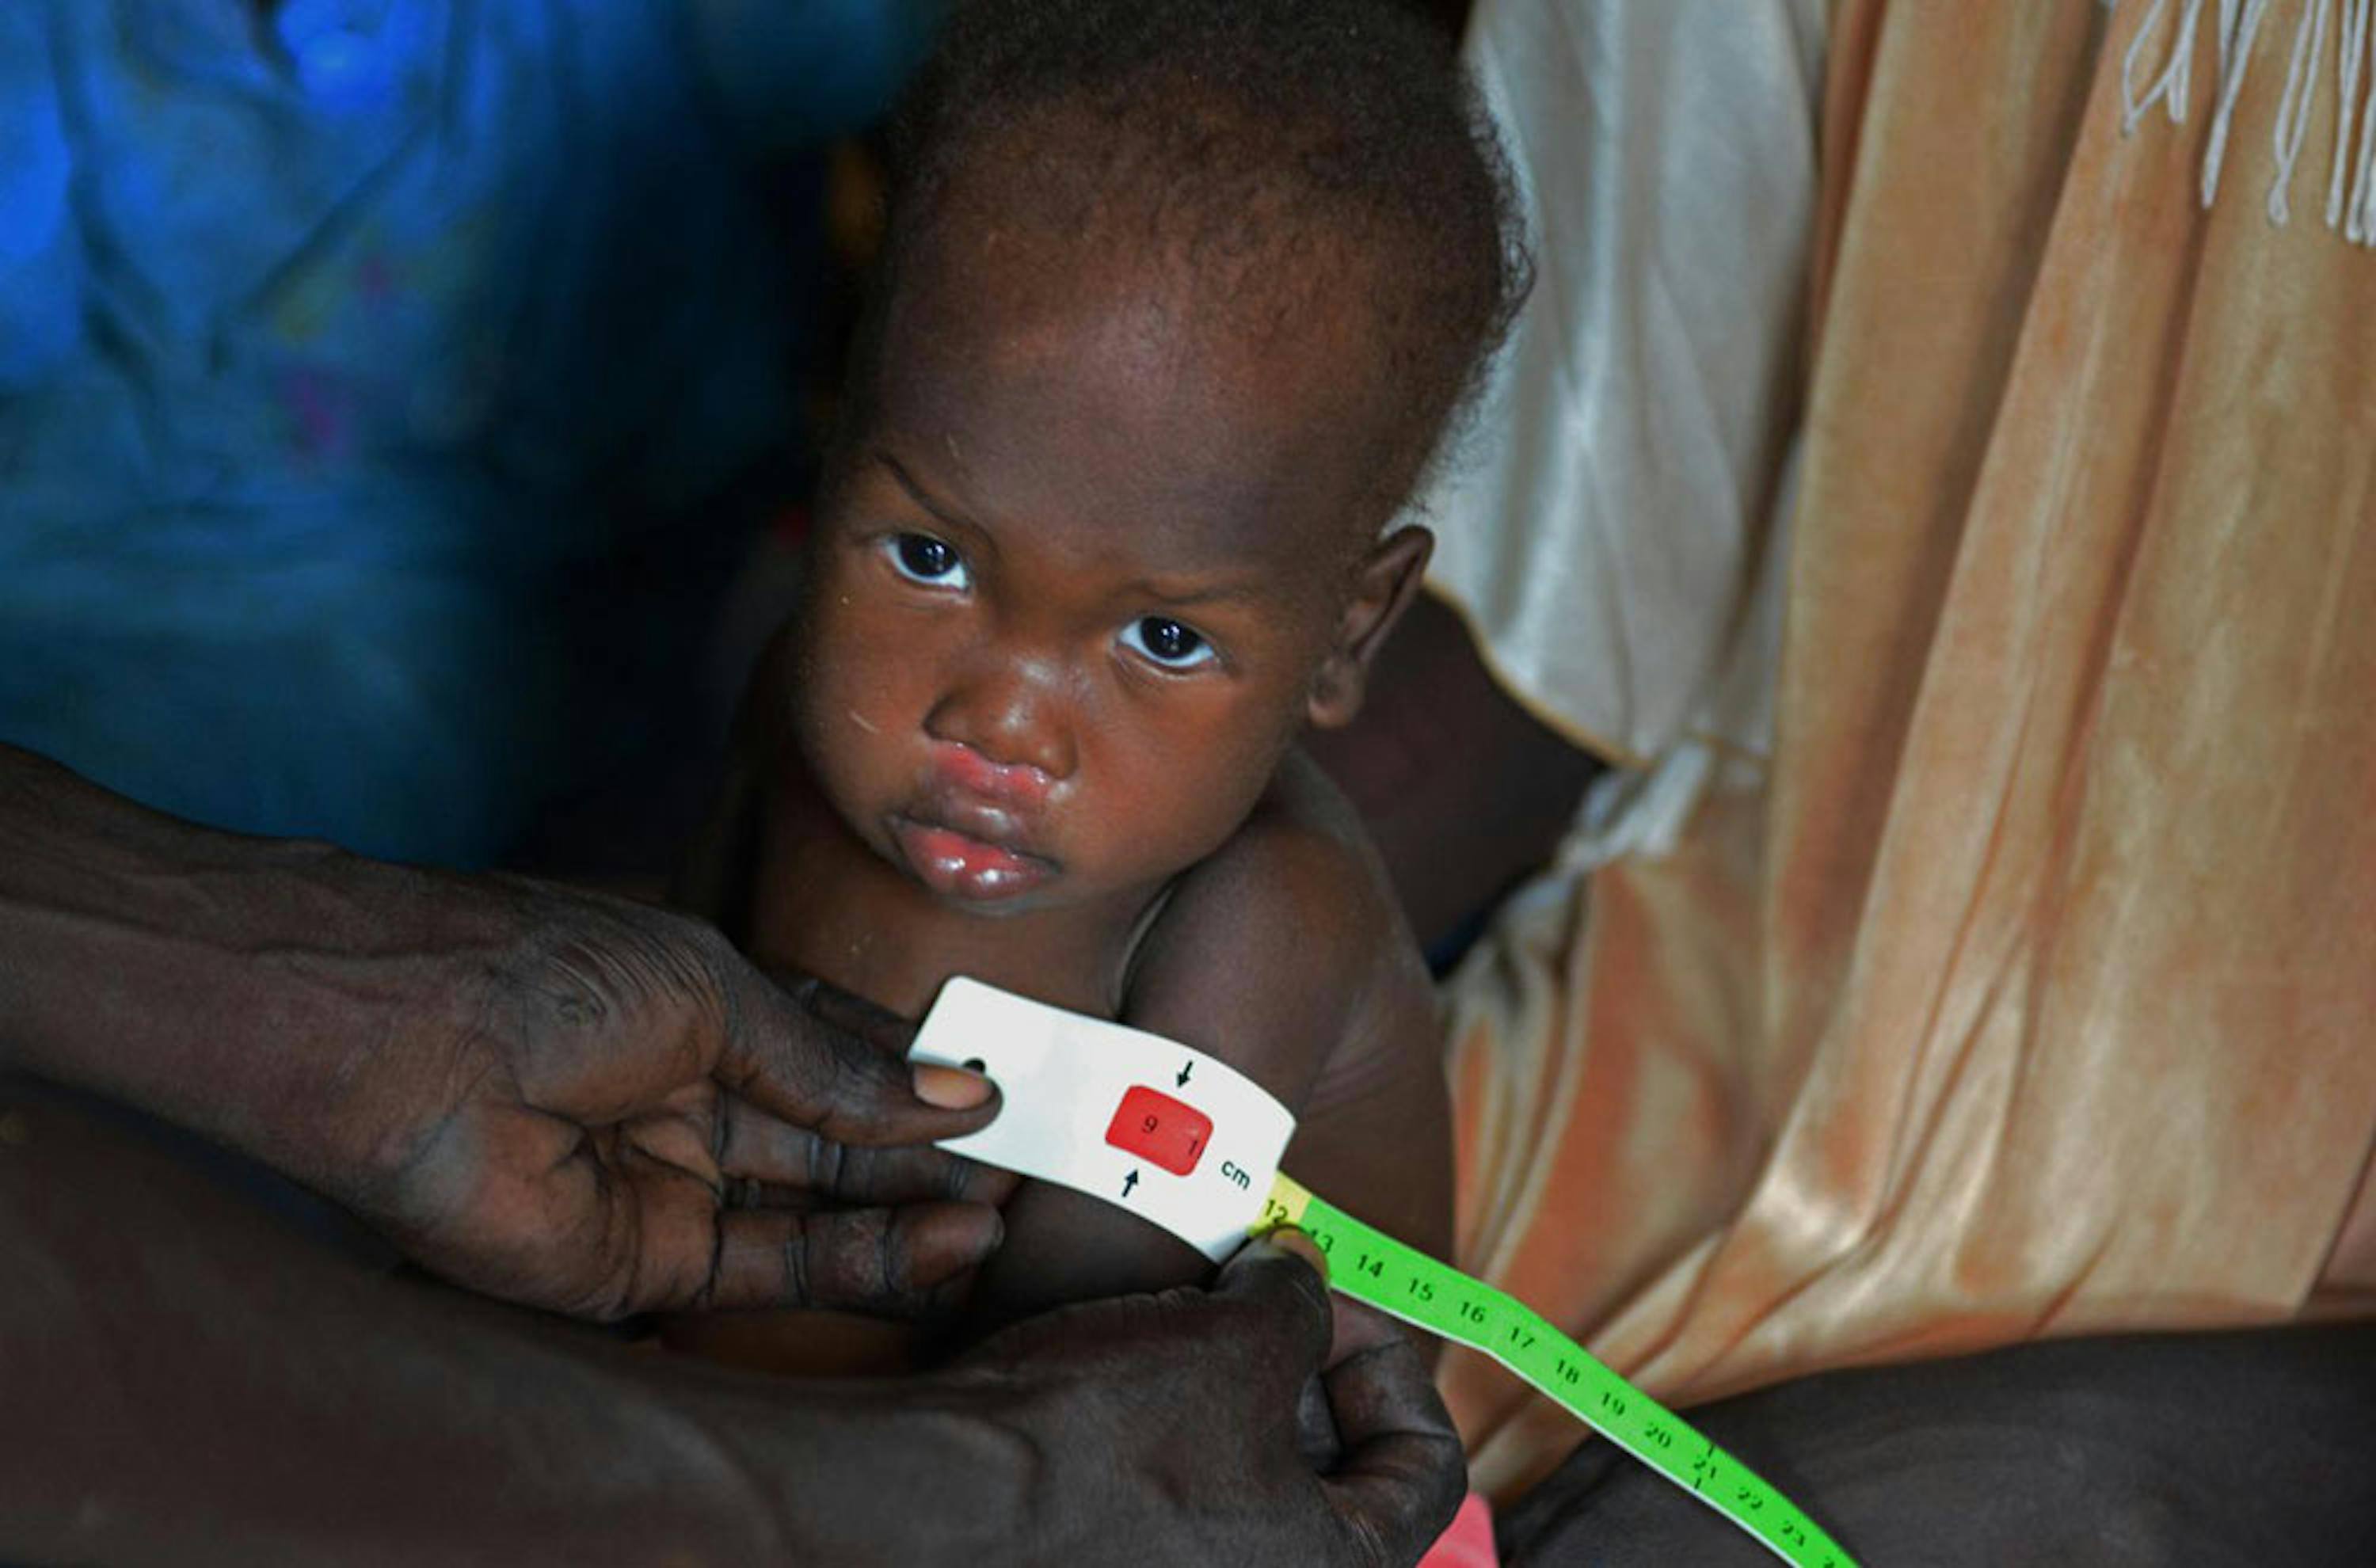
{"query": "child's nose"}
(1012, 712)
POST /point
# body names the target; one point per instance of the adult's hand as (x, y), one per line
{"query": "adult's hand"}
(213, 1389)
(1169, 1421)
(545, 1094)
(615, 1114)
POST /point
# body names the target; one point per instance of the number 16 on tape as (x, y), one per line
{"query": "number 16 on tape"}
(1372, 1267)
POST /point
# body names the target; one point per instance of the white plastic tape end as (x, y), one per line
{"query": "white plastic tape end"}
(1151, 1125)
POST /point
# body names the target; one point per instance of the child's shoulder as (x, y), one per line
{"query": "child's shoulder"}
(1285, 955)
(1283, 945)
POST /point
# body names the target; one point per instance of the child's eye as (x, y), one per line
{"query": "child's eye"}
(1168, 643)
(921, 558)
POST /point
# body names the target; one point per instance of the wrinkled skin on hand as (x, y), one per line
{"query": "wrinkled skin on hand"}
(216, 1389)
(613, 1113)
(1168, 1425)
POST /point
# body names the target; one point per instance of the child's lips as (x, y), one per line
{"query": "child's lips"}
(958, 865)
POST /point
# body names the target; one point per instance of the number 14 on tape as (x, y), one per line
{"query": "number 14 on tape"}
(1372, 1267)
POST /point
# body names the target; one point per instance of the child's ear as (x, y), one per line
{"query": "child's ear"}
(1383, 586)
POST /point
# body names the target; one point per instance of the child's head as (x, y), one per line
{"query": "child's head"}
(1177, 300)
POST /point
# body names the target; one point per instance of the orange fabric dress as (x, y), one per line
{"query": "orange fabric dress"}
(2014, 972)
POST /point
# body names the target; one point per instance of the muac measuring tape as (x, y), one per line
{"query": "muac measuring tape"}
(1193, 1145)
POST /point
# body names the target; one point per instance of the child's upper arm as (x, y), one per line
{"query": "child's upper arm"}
(1283, 956)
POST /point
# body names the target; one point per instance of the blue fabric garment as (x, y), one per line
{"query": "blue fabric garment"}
(368, 370)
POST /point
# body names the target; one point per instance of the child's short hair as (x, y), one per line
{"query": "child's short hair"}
(1262, 145)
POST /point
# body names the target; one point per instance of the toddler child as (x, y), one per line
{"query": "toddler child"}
(1177, 302)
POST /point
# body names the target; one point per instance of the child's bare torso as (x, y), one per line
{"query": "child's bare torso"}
(1281, 953)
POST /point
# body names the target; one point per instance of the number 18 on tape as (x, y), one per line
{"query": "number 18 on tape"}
(1193, 1145)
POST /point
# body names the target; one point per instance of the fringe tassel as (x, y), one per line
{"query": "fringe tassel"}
(2236, 29)
(2359, 224)
(2293, 111)
(2177, 72)
(2347, 73)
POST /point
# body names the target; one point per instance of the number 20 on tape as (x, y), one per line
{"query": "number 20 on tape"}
(1372, 1267)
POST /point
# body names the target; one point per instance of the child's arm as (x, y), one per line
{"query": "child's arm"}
(1285, 956)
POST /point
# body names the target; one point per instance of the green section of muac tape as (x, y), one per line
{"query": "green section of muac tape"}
(1373, 1267)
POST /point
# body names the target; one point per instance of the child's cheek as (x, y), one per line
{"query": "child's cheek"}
(1189, 786)
(840, 698)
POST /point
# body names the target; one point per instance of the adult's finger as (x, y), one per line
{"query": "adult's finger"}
(889, 1261)
(879, 1027)
(790, 1053)
(1402, 1473)
(800, 1167)
(1281, 1278)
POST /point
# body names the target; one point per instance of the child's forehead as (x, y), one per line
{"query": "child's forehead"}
(1064, 377)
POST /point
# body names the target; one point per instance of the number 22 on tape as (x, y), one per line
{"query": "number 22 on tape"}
(1372, 1267)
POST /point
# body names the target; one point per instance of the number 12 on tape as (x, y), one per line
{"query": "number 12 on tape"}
(1372, 1267)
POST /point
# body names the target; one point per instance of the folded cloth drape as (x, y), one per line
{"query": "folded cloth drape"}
(2014, 972)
